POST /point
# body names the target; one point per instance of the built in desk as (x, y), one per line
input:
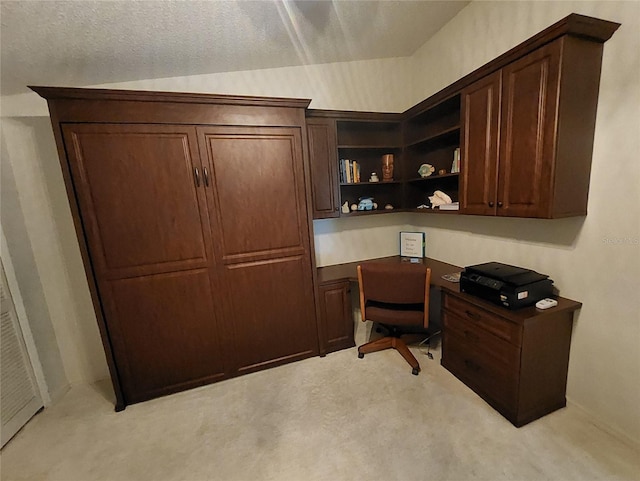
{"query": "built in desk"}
(516, 360)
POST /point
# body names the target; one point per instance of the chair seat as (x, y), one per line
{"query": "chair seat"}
(395, 314)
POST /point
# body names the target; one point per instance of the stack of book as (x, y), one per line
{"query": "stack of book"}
(349, 171)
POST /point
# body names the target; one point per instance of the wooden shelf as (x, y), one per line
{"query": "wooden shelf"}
(373, 183)
(433, 211)
(356, 213)
(370, 146)
(433, 177)
(436, 137)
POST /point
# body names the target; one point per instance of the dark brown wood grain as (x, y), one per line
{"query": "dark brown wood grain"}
(527, 133)
(323, 155)
(480, 137)
(196, 239)
(516, 360)
(336, 316)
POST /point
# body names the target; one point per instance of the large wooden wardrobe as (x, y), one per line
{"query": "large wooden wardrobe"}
(192, 219)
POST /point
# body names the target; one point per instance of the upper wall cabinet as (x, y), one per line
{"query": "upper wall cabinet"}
(325, 195)
(520, 128)
(528, 133)
(346, 149)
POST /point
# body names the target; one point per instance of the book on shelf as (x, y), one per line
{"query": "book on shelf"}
(349, 171)
(455, 165)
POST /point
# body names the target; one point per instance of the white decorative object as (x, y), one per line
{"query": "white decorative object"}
(439, 198)
(354, 207)
(374, 177)
(388, 207)
(426, 170)
(345, 207)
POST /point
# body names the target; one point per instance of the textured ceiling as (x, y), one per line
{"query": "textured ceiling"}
(76, 43)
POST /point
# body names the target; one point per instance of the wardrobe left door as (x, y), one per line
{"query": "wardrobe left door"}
(144, 212)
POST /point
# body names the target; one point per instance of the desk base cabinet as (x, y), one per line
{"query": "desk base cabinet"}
(336, 318)
(516, 361)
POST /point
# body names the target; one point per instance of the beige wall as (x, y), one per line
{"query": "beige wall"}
(605, 366)
(595, 259)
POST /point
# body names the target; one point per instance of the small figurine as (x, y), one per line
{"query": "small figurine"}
(426, 170)
(374, 177)
(388, 207)
(354, 207)
(345, 207)
(366, 203)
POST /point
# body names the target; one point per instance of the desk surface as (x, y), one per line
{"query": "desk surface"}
(348, 271)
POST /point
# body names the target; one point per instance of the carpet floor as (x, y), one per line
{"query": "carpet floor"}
(332, 418)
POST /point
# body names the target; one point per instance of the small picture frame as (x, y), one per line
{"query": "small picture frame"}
(412, 244)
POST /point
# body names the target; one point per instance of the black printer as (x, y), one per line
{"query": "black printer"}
(510, 286)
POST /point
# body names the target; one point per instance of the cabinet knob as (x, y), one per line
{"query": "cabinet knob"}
(499, 204)
(490, 203)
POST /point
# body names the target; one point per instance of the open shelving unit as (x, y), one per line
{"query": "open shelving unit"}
(366, 140)
(431, 136)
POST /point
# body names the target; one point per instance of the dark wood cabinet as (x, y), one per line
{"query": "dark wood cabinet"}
(146, 223)
(527, 138)
(336, 317)
(195, 232)
(258, 206)
(517, 361)
(523, 127)
(336, 137)
(479, 139)
(325, 194)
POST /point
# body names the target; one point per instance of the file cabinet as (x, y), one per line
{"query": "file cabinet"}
(516, 361)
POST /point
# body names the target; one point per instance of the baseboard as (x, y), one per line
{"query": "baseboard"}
(601, 424)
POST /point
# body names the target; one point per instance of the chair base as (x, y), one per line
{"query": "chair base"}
(391, 343)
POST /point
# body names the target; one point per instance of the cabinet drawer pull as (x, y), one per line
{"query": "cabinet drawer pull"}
(196, 175)
(471, 314)
(206, 176)
(499, 204)
(491, 204)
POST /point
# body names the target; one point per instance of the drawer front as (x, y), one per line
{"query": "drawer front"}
(496, 325)
(493, 380)
(483, 341)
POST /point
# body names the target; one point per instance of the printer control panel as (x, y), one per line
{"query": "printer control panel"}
(486, 281)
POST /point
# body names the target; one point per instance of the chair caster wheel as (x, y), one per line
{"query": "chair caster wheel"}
(360, 355)
(415, 371)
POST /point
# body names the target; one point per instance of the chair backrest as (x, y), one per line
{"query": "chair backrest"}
(394, 283)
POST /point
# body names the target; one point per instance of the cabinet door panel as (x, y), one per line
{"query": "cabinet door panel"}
(257, 190)
(142, 210)
(273, 316)
(323, 161)
(529, 114)
(259, 219)
(166, 337)
(480, 137)
(337, 318)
